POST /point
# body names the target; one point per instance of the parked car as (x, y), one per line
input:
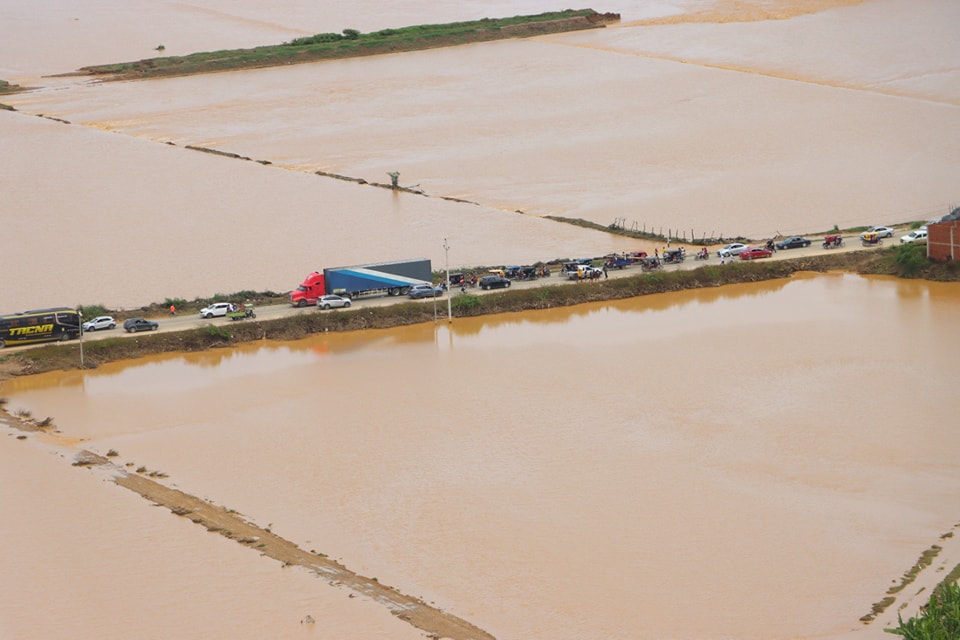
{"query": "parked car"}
(733, 249)
(100, 322)
(753, 253)
(215, 310)
(913, 236)
(883, 232)
(424, 291)
(132, 325)
(494, 282)
(793, 242)
(332, 302)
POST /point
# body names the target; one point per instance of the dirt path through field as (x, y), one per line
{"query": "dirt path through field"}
(232, 525)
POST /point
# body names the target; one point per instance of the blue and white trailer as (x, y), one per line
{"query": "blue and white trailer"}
(391, 278)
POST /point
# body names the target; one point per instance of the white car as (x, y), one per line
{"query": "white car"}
(883, 232)
(332, 302)
(215, 310)
(913, 236)
(733, 249)
(100, 322)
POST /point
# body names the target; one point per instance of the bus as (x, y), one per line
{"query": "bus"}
(39, 325)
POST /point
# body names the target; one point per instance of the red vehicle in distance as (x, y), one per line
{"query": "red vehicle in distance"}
(755, 252)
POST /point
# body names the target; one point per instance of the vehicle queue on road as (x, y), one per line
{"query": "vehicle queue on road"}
(64, 323)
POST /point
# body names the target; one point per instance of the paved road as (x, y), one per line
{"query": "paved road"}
(183, 322)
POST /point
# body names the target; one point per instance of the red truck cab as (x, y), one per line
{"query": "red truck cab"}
(312, 287)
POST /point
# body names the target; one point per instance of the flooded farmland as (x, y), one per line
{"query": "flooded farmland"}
(758, 461)
(707, 127)
(593, 471)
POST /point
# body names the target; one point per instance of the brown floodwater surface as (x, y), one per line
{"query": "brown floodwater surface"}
(756, 461)
(710, 122)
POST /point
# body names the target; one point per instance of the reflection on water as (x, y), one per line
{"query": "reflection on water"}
(775, 452)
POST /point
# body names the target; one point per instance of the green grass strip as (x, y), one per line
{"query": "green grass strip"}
(352, 43)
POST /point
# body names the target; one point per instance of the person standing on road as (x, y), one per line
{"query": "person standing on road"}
(173, 310)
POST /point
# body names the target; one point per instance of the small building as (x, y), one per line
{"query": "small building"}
(943, 238)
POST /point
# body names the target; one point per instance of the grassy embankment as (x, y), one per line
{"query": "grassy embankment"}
(939, 619)
(902, 261)
(351, 43)
(6, 87)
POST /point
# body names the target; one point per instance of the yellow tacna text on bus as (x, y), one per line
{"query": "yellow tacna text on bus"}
(39, 325)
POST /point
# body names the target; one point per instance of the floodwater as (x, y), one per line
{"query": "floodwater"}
(753, 462)
(715, 118)
(756, 461)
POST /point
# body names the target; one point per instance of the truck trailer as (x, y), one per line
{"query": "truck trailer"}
(391, 278)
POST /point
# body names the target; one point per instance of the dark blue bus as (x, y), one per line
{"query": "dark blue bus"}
(39, 325)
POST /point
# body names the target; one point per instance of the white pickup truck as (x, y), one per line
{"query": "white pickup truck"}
(586, 272)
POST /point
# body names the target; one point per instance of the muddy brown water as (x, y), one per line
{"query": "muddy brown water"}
(757, 461)
(752, 462)
(722, 120)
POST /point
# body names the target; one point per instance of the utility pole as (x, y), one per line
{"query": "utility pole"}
(446, 264)
(80, 313)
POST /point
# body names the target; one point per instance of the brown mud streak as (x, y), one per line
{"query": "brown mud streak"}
(435, 622)
(747, 11)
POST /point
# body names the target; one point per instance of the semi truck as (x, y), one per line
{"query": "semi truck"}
(391, 278)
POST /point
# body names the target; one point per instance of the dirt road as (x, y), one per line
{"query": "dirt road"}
(192, 321)
(181, 323)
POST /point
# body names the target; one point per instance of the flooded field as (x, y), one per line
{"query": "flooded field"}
(705, 117)
(753, 462)
(760, 461)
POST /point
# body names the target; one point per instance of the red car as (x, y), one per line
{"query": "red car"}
(755, 252)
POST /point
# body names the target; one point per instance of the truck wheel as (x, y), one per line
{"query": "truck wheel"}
(302, 303)
(2, 344)
(392, 292)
